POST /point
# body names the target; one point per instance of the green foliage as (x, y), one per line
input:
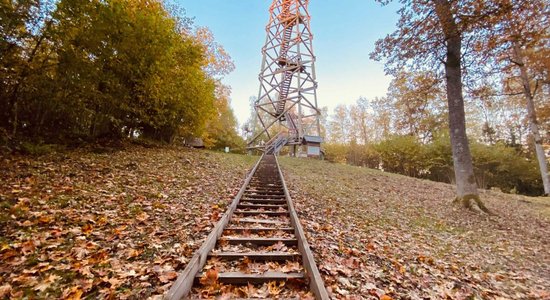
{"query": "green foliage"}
(221, 129)
(402, 154)
(495, 166)
(336, 152)
(112, 68)
(504, 167)
(361, 155)
(439, 158)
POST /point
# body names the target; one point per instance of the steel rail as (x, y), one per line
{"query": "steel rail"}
(316, 283)
(184, 283)
(263, 198)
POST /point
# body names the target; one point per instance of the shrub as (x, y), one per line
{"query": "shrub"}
(500, 166)
(336, 153)
(402, 154)
(506, 168)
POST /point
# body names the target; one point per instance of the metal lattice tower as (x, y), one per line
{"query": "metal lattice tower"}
(287, 100)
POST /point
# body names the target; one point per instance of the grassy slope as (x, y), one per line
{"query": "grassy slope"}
(123, 223)
(376, 233)
(117, 225)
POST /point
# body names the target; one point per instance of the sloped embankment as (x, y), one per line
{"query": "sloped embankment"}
(122, 225)
(116, 225)
(381, 236)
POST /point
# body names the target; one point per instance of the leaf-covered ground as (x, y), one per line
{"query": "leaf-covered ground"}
(383, 236)
(115, 225)
(122, 224)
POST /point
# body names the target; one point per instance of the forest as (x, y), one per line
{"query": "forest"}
(406, 132)
(74, 72)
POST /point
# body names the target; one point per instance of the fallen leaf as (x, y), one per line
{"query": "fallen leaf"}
(279, 246)
(5, 290)
(87, 229)
(42, 286)
(290, 267)
(45, 219)
(73, 293)
(244, 265)
(274, 288)
(28, 247)
(27, 223)
(210, 278)
(132, 253)
(142, 217)
(168, 276)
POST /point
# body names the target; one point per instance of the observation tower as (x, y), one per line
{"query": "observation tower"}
(286, 106)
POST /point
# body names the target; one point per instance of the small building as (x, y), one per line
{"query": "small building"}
(194, 142)
(313, 145)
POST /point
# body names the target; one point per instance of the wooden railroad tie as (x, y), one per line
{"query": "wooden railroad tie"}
(260, 226)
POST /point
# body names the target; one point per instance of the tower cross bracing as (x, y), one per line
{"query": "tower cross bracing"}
(286, 106)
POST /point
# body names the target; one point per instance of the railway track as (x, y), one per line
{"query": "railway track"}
(257, 249)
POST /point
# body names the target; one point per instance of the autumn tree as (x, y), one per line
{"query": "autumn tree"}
(517, 45)
(74, 70)
(323, 122)
(339, 125)
(252, 126)
(218, 61)
(24, 30)
(430, 36)
(382, 117)
(221, 127)
(417, 106)
(362, 121)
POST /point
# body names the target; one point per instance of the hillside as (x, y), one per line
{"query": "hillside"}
(117, 224)
(122, 224)
(377, 233)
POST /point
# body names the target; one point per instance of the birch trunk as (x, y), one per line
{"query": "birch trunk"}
(532, 116)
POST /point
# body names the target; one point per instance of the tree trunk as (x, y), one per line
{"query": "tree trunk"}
(466, 186)
(13, 102)
(532, 116)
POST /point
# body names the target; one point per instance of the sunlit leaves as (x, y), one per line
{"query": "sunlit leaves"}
(221, 127)
(219, 62)
(109, 68)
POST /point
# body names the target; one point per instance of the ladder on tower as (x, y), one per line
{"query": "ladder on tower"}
(285, 44)
(284, 91)
(285, 62)
(293, 133)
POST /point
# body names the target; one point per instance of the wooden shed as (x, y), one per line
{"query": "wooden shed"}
(313, 145)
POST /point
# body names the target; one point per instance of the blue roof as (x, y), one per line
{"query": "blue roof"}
(313, 139)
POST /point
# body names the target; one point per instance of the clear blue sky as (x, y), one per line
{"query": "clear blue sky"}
(344, 35)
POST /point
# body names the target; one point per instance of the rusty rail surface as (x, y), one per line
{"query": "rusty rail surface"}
(261, 216)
